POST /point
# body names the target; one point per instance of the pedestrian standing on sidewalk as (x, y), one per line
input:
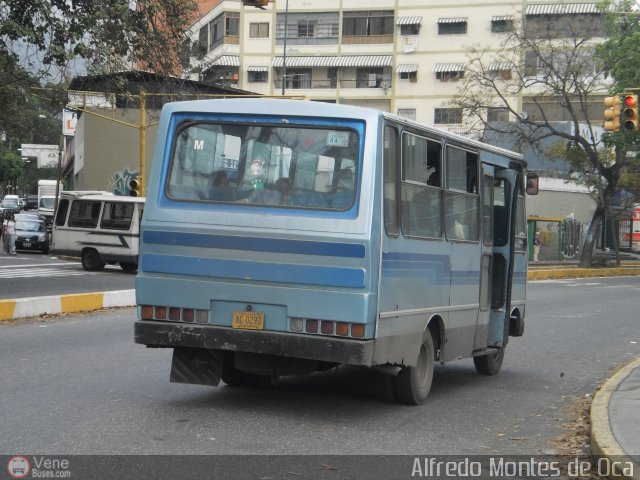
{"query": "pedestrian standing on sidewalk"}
(537, 243)
(9, 234)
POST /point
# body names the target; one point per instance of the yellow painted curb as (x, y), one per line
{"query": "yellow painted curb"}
(81, 302)
(582, 272)
(7, 309)
(603, 442)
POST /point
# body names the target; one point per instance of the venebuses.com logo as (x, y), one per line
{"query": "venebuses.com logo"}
(41, 466)
(18, 467)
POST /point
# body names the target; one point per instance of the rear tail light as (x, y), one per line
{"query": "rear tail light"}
(174, 314)
(187, 315)
(342, 329)
(326, 327)
(311, 326)
(296, 325)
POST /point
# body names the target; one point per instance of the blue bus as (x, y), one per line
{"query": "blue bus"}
(283, 237)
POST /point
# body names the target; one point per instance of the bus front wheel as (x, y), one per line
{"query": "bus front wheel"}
(414, 383)
(129, 267)
(489, 364)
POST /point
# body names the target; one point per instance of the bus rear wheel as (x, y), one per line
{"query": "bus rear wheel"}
(489, 364)
(91, 261)
(414, 383)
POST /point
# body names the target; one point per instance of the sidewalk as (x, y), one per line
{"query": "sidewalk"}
(615, 422)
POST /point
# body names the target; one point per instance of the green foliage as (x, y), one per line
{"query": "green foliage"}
(11, 165)
(620, 51)
(630, 178)
(38, 40)
(109, 35)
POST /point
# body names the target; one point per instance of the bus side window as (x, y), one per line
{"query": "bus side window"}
(390, 166)
(61, 216)
(462, 200)
(84, 214)
(421, 202)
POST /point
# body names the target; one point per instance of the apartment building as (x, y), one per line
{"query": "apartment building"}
(401, 56)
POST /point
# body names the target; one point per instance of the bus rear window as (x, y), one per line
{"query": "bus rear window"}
(282, 166)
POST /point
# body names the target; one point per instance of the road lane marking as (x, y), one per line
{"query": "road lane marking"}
(41, 265)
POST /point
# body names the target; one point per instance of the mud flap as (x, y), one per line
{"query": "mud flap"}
(199, 366)
(516, 327)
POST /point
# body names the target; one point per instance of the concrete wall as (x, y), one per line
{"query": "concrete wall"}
(560, 199)
(107, 153)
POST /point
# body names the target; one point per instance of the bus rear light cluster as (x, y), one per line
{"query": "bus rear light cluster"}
(327, 327)
(174, 314)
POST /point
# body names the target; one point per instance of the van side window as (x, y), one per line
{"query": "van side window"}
(63, 208)
(117, 216)
(84, 214)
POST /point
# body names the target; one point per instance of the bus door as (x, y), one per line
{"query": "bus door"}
(502, 256)
(484, 312)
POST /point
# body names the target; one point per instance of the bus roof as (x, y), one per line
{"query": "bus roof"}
(456, 137)
(306, 108)
(100, 196)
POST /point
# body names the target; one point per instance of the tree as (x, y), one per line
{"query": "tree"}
(108, 35)
(548, 69)
(10, 167)
(40, 40)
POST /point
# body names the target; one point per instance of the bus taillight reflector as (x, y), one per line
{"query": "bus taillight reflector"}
(202, 316)
(357, 331)
(342, 329)
(187, 315)
(174, 314)
(146, 312)
(326, 327)
(296, 325)
(311, 326)
(160, 313)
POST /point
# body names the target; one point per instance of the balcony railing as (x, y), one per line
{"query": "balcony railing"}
(330, 84)
(366, 39)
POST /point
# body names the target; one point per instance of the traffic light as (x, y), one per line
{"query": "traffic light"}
(629, 117)
(612, 113)
(136, 189)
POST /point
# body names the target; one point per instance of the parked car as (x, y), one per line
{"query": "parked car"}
(31, 233)
(9, 205)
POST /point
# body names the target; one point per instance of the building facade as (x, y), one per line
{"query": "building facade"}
(403, 56)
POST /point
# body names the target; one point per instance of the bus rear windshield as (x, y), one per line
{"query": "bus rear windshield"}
(262, 165)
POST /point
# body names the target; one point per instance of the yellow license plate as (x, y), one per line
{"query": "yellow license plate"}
(248, 320)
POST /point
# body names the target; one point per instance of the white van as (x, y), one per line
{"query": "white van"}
(98, 227)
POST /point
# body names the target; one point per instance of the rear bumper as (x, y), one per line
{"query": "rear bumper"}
(312, 347)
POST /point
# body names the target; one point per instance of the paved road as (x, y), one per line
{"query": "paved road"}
(80, 385)
(34, 274)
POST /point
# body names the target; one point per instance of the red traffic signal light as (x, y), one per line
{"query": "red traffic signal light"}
(612, 113)
(629, 117)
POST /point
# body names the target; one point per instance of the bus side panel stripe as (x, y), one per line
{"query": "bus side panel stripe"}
(419, 265)
(254, 271)
(334, 249)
